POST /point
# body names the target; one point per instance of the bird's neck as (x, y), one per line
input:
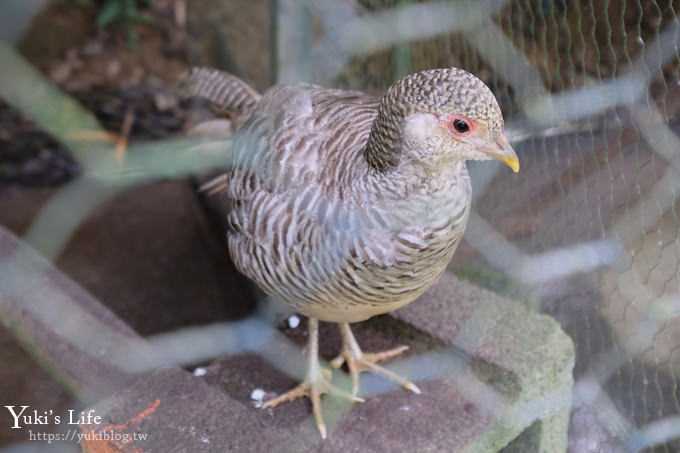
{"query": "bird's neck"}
(410, 180)
(384, 146)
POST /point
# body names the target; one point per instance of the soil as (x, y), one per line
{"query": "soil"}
(105, 75)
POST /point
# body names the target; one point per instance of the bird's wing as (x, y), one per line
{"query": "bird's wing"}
(304, 134)
(290, 160)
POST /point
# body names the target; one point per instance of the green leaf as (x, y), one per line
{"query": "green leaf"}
(109, 12)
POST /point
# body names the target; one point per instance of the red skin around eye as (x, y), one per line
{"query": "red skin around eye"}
(448, 122)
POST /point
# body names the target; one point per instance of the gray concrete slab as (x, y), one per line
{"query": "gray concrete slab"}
(485, 364)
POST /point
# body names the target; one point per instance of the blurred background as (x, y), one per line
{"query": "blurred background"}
(97, 175)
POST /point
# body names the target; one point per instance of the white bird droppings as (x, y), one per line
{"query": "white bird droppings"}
(257, 395)
(293, 321)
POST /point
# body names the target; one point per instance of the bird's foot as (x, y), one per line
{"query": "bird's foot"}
(374, 357)
(316, 384)
(357, 361)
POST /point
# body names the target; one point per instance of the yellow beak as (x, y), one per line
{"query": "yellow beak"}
(503, 152)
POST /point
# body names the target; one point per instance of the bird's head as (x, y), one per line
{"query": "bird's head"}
(440, 115)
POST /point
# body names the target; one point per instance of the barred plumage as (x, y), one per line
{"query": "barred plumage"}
(222, 89)
(344, 205)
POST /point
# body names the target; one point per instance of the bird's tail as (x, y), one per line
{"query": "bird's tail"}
(221, 88)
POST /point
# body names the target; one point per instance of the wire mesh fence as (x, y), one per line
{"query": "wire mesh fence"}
(590, 229)
(588, 232)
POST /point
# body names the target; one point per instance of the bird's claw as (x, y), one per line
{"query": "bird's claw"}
(358, 362)
(313, 387)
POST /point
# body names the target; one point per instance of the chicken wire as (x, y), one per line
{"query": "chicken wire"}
(588, 230)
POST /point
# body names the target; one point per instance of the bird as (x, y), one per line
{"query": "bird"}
(343, 205)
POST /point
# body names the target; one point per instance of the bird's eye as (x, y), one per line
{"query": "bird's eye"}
(461, 126)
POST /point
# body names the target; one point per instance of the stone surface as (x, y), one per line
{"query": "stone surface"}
(180, 412)
(62, 326)
(524, 356)
(485, 364)
(478, 394)
(148, 255)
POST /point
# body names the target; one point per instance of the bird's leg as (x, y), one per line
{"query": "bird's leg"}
(357, 361)
(315, 384)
